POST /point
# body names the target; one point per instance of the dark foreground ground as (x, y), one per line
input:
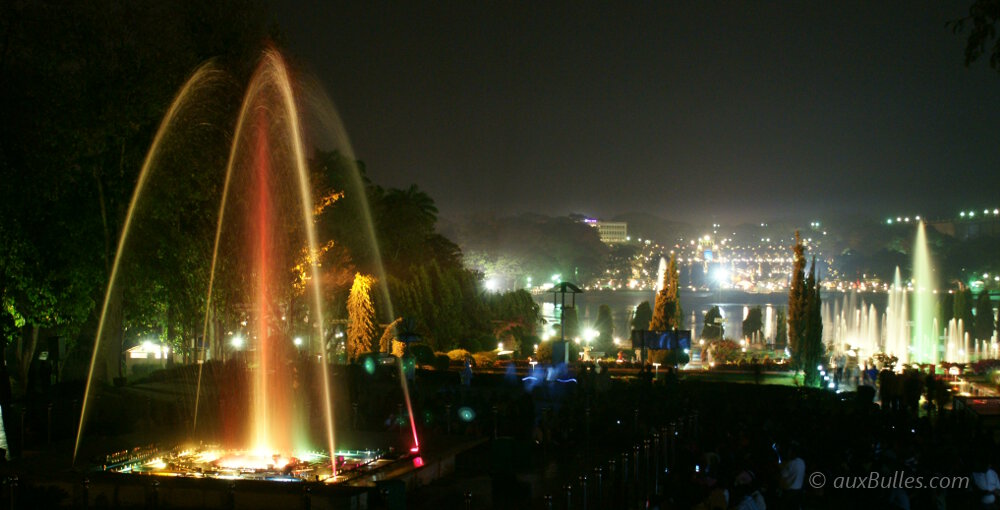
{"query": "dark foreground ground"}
(578, 440)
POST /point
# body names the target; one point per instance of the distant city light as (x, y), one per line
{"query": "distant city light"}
(721, 275)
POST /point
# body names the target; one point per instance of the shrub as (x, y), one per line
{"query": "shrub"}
(724, 351)
(485, 358)
(422, 353)
(544, 353)
(441, 362)
(469, 344)
(458, 354)
(487, 343)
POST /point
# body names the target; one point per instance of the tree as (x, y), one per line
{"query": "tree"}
(982, 22)
(405, 221)
(780, 329)
(667, 315)
(946, 307)
(754, 322)
(812, 345)
(360, 317)
(797, 304)
(642, 316)
(605, 326)
(963, 307)
(445, 304)
(713, 329)
(984, 317)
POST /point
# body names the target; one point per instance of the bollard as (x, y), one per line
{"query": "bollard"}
(383, 495)
(656, 463)
(672, 446)
(154, 495)
(611, 479)
(635, 463)
(583, 492)
(624, 470)
(468, 500)
(447, 418)
(48, 425)
(598, 487)
(306, 498)
(13, 492)
(694, 425)
(647, 447)
(23, 432)
(399, 417)
(568, 490)
(85, 493)
(496, 424)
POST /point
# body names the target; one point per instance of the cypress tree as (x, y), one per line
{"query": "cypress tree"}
(754, 321)
(812, 349)
(984, 316)
(642, 316)
(797, 304)
(605, 327)
(963, 307)
(780, 329)
(946, 308)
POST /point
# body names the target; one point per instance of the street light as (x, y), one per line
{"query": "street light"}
(237, 342)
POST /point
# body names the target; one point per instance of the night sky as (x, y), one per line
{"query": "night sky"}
(696, 111)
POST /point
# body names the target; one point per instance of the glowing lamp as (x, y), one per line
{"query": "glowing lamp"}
(466, 414)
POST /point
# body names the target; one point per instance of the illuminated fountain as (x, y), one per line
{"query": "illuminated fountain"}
(908, 328)
(897, 326)
(925, 348)
(662, 270)
(265, 224)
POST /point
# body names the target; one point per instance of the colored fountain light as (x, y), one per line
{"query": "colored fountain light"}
(265, 223)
